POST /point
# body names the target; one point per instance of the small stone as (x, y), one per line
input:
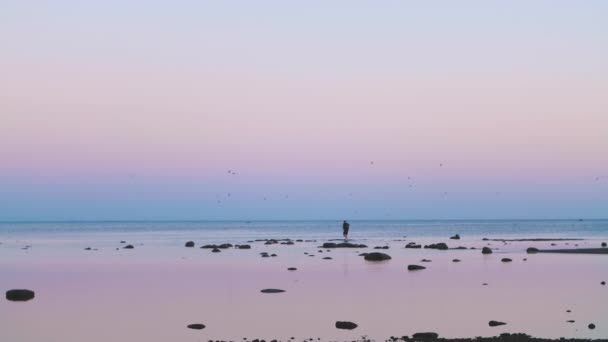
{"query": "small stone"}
(603, 244)
(272, 291)
(532, 250)
(196, 326)
(20, 295)
(570, 321)
(486, 250)
(292, 269)
(506, 260)
(327, 258)
(415, 267)
(496, 323)
(128, 247)
(455, 237)
(216, 250)
(190, 244)
(346, 325)
(456, 260)
(426, 260)
(591, 326)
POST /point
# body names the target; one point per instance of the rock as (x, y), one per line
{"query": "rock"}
(486, 250)
(128, 247)
(377, 256)
(570, 321)
(603, 283)
(327, 258)
(415, 267)
(244, 247)
(363, 254)
(216, 250)
(591, 326)
(441, 246)
(506, 260)
(426, 260)
(342, 245)
(20, 295)
(123, 241)
(456, 260)
(413, 245)
(190, 244)
(381, 247)
(455, 237)
(273, 255)
(496, 323)
(272, 291)
(196, 326)
(603, 244)
(292, 269)
(425, 336)
(87, 249)
(346, 325)
(532, 250)
(485, 284)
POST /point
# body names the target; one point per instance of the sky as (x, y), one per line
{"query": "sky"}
(251, 110)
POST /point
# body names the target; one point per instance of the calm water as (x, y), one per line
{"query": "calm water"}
(151, 292)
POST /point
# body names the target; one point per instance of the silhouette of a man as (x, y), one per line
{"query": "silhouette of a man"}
(345, 228)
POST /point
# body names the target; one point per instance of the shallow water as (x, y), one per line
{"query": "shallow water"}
(152, 292)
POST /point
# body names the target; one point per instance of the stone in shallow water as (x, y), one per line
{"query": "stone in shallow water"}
(272, 291)
(486, 250)
(128, 247)
(377, 256)
(292, 269)
(496, 323)
(532, 250)
(20, 295)
(425, 336)
(346, 325)
(190, 244)
(591, 326)
(216, 250)
(415, 267)
(196, 326)
(506, 260)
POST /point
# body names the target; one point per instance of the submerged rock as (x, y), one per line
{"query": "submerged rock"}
(486, 250)
(496, 323)
(20, 295)
(196, 326)
(190, 244)
(346, 325)
(415, 267)
(377, 256)
(272, 291)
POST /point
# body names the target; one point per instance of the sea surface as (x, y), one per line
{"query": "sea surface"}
(151, 292)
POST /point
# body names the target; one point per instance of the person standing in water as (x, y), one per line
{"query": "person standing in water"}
(345, 228)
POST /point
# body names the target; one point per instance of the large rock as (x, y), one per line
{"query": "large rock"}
(496, 323)
(190, 244)
(415, 267)
(346, 325)
(377, 256)
(532, 250)
(20, 295)
(196, 326)
(486, 250)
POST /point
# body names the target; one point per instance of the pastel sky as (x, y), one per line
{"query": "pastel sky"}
(322, 109)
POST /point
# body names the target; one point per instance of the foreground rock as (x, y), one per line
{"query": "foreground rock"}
(196, 326)
(496, 323)
(272, 291)
(415, 267)
(377, 256)
(20, 295)
(346, 325)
